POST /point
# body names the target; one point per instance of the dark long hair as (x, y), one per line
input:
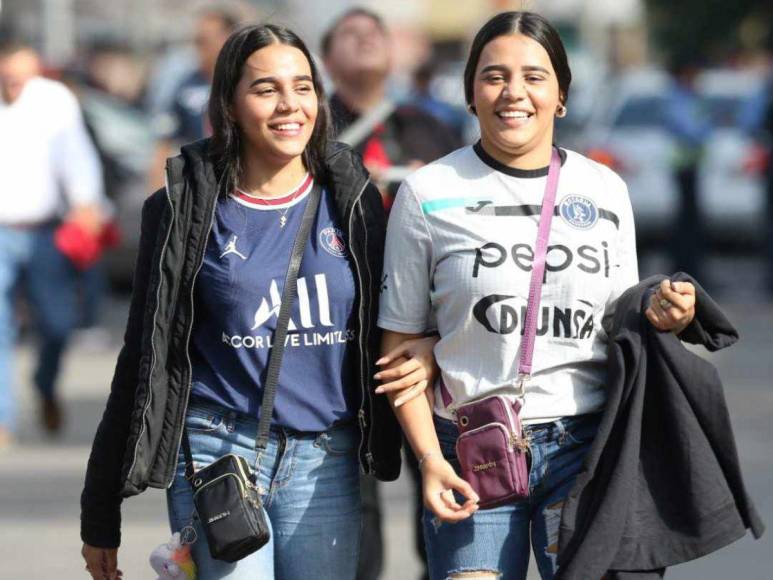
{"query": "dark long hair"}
(225, 149)
(529, 24)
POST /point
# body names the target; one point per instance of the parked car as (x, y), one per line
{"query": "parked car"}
(627, 131)
(731, 177)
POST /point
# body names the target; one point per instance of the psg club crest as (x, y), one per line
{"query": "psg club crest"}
(579, 212)
(332, 240)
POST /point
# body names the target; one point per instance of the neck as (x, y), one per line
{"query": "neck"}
(269, 180)
(361, 97)
(535, 157)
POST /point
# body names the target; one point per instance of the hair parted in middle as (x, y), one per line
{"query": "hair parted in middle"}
(226, 143)
(529, 24)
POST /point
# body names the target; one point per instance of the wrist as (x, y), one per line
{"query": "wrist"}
(427, 456)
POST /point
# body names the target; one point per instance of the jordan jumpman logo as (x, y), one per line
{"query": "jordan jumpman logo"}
(230, 248)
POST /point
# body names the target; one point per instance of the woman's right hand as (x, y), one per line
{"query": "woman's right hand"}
(439, 480)
(101, 563)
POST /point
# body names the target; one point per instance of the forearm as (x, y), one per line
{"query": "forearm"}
(414, 416)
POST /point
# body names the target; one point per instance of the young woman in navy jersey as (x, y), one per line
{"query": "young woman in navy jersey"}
(215, 248)
(459, 255)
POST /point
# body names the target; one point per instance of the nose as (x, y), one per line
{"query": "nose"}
(514, 90)
(287, 102)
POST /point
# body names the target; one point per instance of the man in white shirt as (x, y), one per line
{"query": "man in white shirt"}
(49, 172)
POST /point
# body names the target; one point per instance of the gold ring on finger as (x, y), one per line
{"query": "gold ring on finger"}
(665, 304)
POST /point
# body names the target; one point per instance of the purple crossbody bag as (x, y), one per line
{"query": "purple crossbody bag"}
(491, 448)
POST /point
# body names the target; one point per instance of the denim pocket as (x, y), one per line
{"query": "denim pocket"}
(447, 434)
(339, 440)
(202, 421)
(582, 429)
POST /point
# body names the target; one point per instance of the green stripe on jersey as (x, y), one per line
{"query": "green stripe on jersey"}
(429, 207)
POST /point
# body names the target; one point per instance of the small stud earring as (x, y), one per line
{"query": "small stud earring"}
(561, 111)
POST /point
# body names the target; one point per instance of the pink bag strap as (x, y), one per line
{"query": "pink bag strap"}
(538, 273)
(535, 286)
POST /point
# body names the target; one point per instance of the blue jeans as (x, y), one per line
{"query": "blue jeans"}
(29, 256)
(310, 487)
(498, 540)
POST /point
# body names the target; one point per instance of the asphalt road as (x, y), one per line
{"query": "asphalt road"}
(41, 479)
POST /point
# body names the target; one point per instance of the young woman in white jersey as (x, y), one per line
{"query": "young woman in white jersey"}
(459, 254)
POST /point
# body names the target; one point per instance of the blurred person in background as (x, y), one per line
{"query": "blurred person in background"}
(49, 173)
(216, 244)
(392, 138)
(686, 121)
(186, 120)
(452, 117)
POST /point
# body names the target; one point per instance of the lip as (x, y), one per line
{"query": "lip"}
(514, 122)
(286, 128)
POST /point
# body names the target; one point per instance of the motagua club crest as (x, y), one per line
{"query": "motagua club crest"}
(579, 212)
(332, 240)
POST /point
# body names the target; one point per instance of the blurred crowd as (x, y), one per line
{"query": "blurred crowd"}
(82, 146)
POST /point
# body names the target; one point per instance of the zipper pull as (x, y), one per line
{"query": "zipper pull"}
(361, 418)
(518, 443)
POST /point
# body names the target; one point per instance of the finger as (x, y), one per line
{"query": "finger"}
(684, 288)
(413, 392)
(657, 309)
(675, 298)
(464, 488)
(445, 514)
(399, 371)
(653, 318)
(402, 350)
(408, 381)
(448, 498)
(111, 561)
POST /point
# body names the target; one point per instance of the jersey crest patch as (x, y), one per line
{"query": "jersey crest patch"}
(332, 240)
(579, 212)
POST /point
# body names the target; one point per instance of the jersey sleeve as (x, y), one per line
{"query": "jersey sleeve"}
(626, 268)
(405, 291)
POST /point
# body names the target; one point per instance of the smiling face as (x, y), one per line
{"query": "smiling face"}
(275, 105)
(516, 97)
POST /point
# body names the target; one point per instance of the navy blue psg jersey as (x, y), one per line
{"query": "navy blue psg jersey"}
(237, 298)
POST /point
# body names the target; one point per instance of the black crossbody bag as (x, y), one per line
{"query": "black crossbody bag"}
(224, 493)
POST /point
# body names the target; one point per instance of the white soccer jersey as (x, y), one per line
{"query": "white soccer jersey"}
(459, 250)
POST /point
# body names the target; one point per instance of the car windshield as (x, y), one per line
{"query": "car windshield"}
(645, 111)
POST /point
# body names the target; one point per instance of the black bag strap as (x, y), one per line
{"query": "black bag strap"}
(288, 297)
(280, 333)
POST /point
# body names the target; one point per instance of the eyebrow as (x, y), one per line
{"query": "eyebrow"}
(503, 68)
(274, 80)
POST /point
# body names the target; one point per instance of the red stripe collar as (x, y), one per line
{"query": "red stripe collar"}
(298, 193)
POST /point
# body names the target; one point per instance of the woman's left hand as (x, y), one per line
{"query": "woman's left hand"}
(672, 306)
(412, 376)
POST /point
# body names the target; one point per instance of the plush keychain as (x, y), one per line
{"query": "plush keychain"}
(173, 560)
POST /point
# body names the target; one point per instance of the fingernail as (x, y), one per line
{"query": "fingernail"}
(379, 390)
(380, 361)
(377, 376)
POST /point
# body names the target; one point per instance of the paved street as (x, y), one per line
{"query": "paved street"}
(41, 479)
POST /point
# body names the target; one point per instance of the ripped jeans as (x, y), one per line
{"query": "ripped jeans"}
(494, 543)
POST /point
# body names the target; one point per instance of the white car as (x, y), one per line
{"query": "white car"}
(627, 130)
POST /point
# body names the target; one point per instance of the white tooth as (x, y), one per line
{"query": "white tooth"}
(514, 114)
(288, 126)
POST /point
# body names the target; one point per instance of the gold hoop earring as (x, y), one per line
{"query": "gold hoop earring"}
(561, 111)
